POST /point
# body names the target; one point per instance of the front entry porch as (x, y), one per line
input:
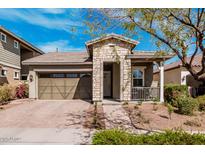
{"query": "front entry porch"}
(111, 81)
(140, 79)
(144, 88)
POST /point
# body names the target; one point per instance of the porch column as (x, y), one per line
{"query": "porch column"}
(161, 67)
(97, 85)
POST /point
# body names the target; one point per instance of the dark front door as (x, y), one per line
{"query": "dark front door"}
(107, 85)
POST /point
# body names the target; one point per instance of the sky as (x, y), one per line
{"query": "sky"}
(51, 28)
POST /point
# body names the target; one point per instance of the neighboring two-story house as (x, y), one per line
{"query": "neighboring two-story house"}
(13, 50)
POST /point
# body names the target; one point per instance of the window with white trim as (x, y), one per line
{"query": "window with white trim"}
(3, 72)
(16, 75)
(16, 44)
(3, 37)
(137, 78)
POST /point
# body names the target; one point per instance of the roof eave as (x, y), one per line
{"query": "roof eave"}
(21, 40)
(109, 36)
(148, 57)
(56, 63)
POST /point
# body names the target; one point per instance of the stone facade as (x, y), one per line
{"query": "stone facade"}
(111, 50)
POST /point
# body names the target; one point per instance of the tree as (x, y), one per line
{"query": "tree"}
(179, 31)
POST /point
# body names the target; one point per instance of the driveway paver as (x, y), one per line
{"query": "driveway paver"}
(45, 122)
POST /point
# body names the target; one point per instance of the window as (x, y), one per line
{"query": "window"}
(72, 75)
(137, 78)
(24, 77)
(3, 73)
(16, 44)
(64, 75)
(3, 37)
(16, 75)
(57, 75)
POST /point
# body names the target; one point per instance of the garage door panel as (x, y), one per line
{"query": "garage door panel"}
(65, 88)
(44, 82)
(57, 96)
(45, 96)
(45, 90)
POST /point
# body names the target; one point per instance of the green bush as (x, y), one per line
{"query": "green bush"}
(119, 137)
(172, 91)
(201, 102)
(5, 93)
(186, 105)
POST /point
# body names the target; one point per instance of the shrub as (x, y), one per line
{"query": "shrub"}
(119, 137)
(172, 91)
(5, 93)
(170, 110)
(186, 105)
(22, 91)
(201, 102)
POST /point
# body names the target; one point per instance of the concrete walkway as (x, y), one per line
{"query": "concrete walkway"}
(117, 117)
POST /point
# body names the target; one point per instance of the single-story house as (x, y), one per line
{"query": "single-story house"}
(108, 69)
(175, 73)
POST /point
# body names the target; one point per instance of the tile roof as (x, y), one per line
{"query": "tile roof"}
(196, 62)
(55, 58)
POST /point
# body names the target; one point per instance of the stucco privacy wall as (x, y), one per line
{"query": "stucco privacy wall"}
(33, 84)
(111, 50)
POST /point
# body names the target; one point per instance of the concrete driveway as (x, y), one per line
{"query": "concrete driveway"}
(45, 122)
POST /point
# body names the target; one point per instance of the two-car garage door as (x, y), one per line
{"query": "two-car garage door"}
(58, 86)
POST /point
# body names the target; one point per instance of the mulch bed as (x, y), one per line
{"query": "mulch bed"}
(93, 119)
(13, 103)
(155, 117)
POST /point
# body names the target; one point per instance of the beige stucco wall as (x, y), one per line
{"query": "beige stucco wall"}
(111, 50)
(33, 85)
(170, 76)
(175, 76)
(190, 81)
(156, 77)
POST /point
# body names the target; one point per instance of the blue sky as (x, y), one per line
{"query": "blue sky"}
(49, 29)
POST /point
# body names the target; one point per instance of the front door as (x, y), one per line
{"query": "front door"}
(107, 84)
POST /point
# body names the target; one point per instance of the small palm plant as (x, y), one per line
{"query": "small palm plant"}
(170, 110)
